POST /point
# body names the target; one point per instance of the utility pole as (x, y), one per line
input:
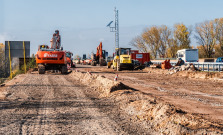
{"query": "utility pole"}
(115, 29)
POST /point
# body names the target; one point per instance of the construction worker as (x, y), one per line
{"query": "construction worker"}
(53, 41)
(180, 62)
(58, 39)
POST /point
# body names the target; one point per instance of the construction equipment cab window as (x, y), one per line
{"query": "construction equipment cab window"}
(68, 55)
(125, 52)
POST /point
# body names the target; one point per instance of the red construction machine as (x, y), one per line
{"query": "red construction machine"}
(99, 57)
(70, 63)
(166, 64)
(53, 58)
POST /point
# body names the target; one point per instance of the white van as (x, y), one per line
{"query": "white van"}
(188, 55)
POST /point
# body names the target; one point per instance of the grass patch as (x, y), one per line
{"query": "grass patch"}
(30, 65)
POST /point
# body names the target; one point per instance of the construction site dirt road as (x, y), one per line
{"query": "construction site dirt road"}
(138, 103)
(200, 97)
(57, 104)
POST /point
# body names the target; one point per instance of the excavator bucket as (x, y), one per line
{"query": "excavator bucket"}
(166, 64)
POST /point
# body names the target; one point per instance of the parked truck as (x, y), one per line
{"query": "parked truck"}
(142, 58)
(219, 59)
(188, 55)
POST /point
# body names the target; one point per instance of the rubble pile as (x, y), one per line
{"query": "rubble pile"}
(189, 67)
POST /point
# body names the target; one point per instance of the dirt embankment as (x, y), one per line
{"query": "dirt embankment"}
(151, 112)
(218, 76)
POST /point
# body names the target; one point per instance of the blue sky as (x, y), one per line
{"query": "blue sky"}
(82, 23)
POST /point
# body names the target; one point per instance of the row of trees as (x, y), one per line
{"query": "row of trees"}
(210, 38)
(3, 62)
(164, 42)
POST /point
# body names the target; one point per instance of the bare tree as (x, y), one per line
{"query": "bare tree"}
(182, 36)
(157, 39)
(139, 43)
(151, 36)
(172, 48)
(165, 40)
(206, 36)
(219, 33)
(3, 62)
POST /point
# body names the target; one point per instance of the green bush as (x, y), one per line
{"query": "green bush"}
(30, 65)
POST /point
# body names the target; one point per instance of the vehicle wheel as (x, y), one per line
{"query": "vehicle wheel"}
(132, 67)
(64, 69)
(41, 69)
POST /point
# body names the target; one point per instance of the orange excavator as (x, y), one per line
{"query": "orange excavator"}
(99, 57)
(70, 63)
(166, 64)
(53, 58)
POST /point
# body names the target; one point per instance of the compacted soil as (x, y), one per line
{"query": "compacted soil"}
(198, 96)
(58, 104)
(97, 100)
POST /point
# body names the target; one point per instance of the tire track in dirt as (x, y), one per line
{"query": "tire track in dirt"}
(12, 120)
(95, 121)
(53, 104)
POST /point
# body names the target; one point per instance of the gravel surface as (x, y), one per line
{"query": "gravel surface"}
(93, 103)
(57, 104)
(197, 102)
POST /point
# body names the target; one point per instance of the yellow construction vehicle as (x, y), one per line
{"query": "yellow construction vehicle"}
(122, 59)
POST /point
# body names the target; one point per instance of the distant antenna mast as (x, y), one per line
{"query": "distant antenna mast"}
(115, 29)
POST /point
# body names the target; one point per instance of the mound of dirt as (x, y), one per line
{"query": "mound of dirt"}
(104, 85)
(181, 71)
(161, 116)
(150, 111)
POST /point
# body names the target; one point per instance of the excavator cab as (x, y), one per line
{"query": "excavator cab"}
(70, 62)
(69, 54)
(99, 57)
(43, 47)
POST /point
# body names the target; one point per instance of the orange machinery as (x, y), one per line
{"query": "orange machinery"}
(70, 62)
(166, 64)
(50, 59)
(99, 58)
(53, 58)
